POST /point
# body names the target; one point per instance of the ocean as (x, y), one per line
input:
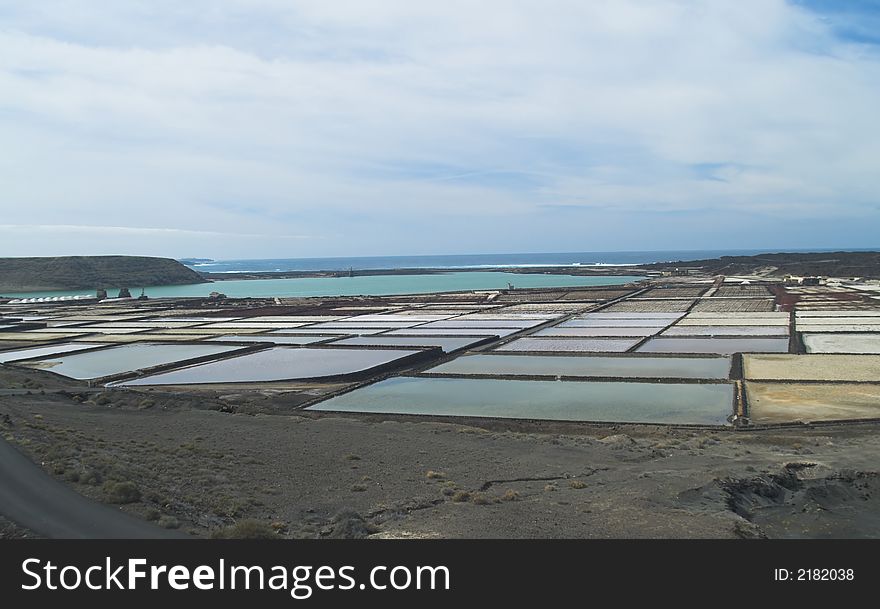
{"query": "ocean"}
(384, 285)
(372, 285)
(456, 261)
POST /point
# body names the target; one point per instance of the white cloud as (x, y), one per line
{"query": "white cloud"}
(366, 122)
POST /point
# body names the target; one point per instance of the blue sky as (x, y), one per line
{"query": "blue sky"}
(285, 128)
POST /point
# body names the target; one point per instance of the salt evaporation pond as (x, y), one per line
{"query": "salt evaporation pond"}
(31, 352)
(587, 366)
(446, 343)
(723, 346)
(813, 367)
(278, 339)
(632, 315)
(595, 332)
(726, 331)
(579, 322)
(704, 404)
(807, 402)
(595, 345)
(842, 343)
(483, 323)
(421, 331)
(125, 358)
(278, 364)
(734, 321)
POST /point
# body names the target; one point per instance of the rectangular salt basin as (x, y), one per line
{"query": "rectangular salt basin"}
(278, 339)
(254, 325)
(145, 324)
(590, 332)
(124, 358)
(830, 313)
(195, 320)
(679, 330)
(733, 307)
(149, 337)
(597, 345)
(99, 318)
(705, 404)
(422, 331)
(447, 343)
(837, 321)
(842, 343)
(458, 307)
(279, 364)
(209, 331)
(282, 319)
(807, 402)
(328, 331)
(35, 336)
(483, 323)
(739, 314)
(381, 325)
(548, 308)
(539, 317)
(20, 354)
(802, 327)
(89, 330)
(63, 324)
(397, 317)
(814, 367)
(447, 313)
(614, 323)
(721, 346)
(588, 366)
(632, 315)
(738, 321)
(651, 306)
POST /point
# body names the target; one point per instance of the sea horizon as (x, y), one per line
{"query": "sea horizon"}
(622, 258)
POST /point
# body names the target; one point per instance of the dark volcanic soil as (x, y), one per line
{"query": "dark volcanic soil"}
(834, 264)
(202, 465)
(10, 530)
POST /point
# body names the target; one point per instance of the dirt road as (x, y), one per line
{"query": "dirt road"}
(38, 502)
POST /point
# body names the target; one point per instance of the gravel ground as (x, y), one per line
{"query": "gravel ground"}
(200, 464)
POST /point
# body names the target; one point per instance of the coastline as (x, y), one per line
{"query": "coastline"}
(580, 271)
(851, 264)
(861, 263)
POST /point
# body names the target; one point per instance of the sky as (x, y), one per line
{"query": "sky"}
(299, 128)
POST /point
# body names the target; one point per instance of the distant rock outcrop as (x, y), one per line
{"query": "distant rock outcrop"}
(834, 264)
(91, 273)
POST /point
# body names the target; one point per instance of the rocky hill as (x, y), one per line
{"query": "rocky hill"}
(91, 272)
(834, 264)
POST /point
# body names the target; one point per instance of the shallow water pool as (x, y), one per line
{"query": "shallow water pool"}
(422, 331)
(20, 354)
(591, 332)
(278, 364)
(615, 323)
(124, 358)
(278, 339)
(594, 345)
(588, 366)
(726, 331)
(709, 404)
(723, 346)
(446, 343)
